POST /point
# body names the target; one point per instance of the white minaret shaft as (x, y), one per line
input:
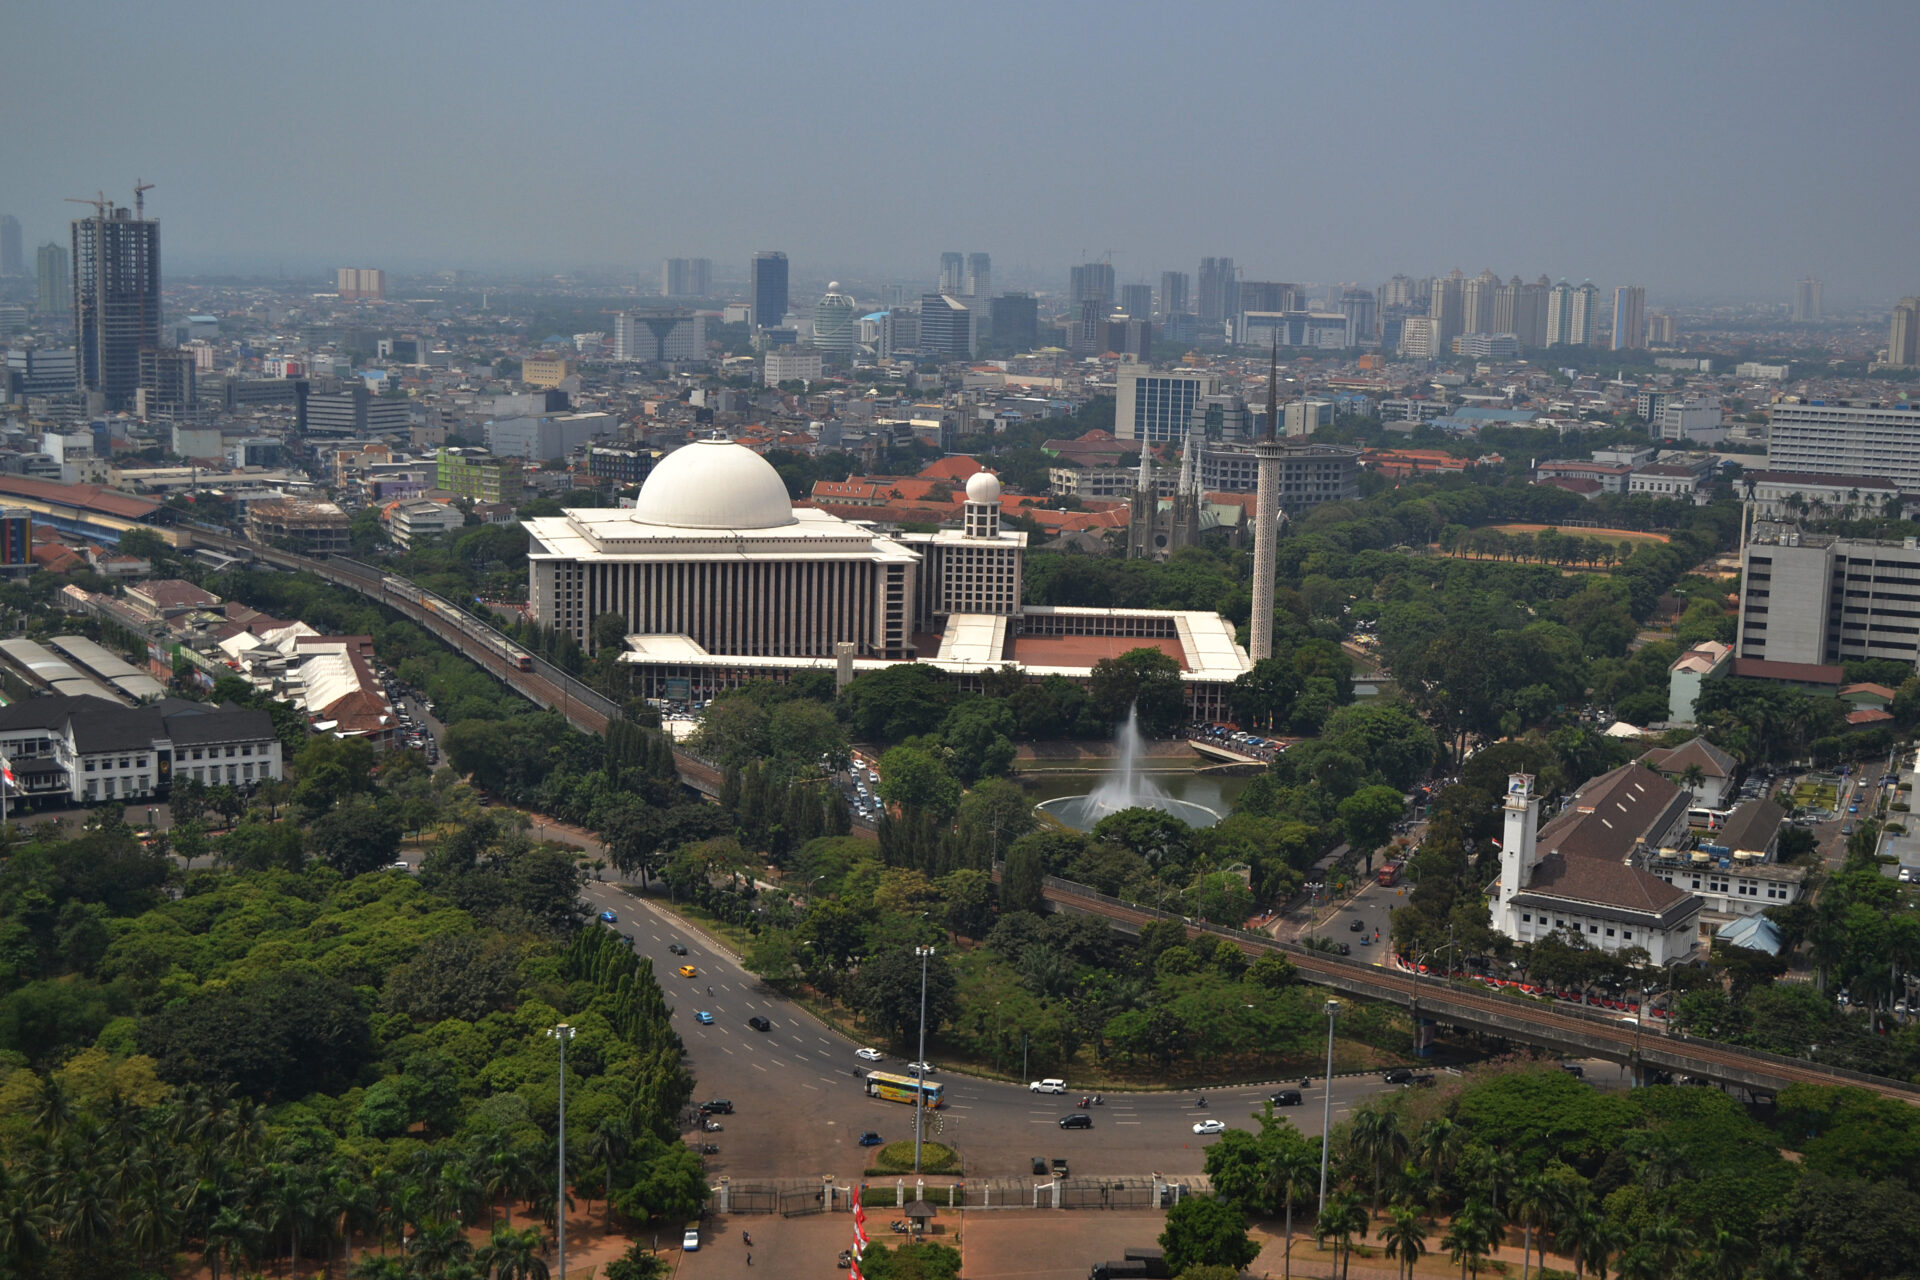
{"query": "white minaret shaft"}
(1266, 518)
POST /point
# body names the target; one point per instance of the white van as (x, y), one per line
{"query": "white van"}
(1049, 1085)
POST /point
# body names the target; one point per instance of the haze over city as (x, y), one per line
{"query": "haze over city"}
(1710, 151)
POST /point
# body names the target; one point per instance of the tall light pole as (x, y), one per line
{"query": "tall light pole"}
(1326, 1114)
(919, 1074)
(562, 1033)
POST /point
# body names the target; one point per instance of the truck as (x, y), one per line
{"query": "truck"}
(1388, 874)
(1146, 1262)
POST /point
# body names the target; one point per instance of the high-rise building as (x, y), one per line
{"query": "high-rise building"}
(1158, 407)
(1173, 293)
(836, 330)
(1091, 283)
(953, 273)
(1137, 300)
(1267, 295)
(979, 275)
(1530, 313)
(946, 327)
(1559, 313)
(1448, 305)
(1583, 326)
(1478, 300)
(1218, 289)
(655, 337)
(769, 288)
(1629, 318)
(167, 381)
(12, 259)
(1660, 330)
(1847, 438)
(1015, 321)
(1903, 334)
(1087, 328)
(1506, 302)
(362, 284)
(1806, 301)
(1362, 318)
(687, 277)
(116, 300)
(1398, 292)
(55, 272)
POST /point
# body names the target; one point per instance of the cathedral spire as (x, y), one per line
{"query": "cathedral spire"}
(1145, 482)
(1189, 466)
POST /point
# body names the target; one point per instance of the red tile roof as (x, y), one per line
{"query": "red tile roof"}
(84, 497)
(1792, 672)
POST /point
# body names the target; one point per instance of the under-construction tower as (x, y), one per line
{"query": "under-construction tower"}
(116, 299)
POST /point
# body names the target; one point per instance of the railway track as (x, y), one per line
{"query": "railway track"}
(1605, 1036)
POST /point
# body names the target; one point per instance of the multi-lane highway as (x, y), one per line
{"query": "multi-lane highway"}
(800, 1108)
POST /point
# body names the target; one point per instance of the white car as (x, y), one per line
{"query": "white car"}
(869, 1055)
(690, 1242)
(921, 1068)
(1210, 1126)
(1049, 1085)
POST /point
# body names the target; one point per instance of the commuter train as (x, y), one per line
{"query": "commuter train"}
(479, 631)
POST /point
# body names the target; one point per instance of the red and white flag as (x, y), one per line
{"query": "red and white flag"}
(853, 1270)
(6, 771)
(859, 1210)
(860, 1234)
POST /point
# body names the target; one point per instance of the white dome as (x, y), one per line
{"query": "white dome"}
(983, 487)
(714, 484)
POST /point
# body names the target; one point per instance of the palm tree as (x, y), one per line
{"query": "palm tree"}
(1438, 1147)
(1640, 1263)
(290, 1203)
(1379, 1140)
(606, 1147)
(26, 1225)
(1531, 1204)
(1344, 1218)
(373, 1266)
(513, 1255)
(1693, 777)
(1668, 1241)
(231, 1237)
(1292, 1173)
(437, 1245)
(1725, 1256)
(1405, 1238)
(1466, 1239)
(1781, 1264)
(1586, 1235)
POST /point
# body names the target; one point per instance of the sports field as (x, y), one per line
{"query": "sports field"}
(1612, 535)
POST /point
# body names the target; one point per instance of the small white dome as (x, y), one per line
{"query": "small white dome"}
(714, 484)
(983, 487)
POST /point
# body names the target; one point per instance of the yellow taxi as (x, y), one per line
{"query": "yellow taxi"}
(687, 971)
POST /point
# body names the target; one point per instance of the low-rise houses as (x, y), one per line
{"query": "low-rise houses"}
(85, 749)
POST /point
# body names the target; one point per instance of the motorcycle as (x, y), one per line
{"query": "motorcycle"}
(1097, 1100)
(900, 1227)
(709, 1149)
(1086, 1101)
(1201, 1103)
(846, 1259)
(1305, 1083)
(711, 1126)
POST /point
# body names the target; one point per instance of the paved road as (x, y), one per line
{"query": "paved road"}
(800, 1107)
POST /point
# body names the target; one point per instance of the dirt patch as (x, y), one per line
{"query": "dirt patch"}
(1617, 535)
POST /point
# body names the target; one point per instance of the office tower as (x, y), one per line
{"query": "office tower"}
(1447, 304)
(1660, 330)
(1267, 452)
(167, 383)
(12, 260)
(1014, 319)
(1839, 437)
(1357, 306)
(1173, 293)
(116, 299)
(1267, 295)
(835, 323)
(362, 284)
(1087, 328)
(1806, 301)
(55, 278)
(1903, 334)
(1158, 407)
(953, 273)
(1629, 318)
(687, 277)
(654, 337)
(1218, 289)
(946, 327)
(1091, 283)
(1478, 299)
(979, 275)
(1129, 336)
(768, 286)
(1137, 300)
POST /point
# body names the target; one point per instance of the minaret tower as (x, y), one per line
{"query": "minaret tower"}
(1266, 516)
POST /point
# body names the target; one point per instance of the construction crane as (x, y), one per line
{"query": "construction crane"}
(140, 190)
(99, 203)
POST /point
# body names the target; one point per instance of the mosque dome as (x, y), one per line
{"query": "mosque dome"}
(714, 484)
(983, 487)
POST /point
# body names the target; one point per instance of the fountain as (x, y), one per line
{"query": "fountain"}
(1124, 788)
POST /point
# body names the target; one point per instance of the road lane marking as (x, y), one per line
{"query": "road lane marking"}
(814, 1087)
(758, 1067)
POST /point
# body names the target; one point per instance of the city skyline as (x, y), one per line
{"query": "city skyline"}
(632, 196)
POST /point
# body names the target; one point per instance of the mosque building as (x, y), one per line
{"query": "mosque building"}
(722, 580)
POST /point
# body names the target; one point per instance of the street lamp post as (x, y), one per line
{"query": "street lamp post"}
(1326, 1113)
(562, 1033)
(919, 1075)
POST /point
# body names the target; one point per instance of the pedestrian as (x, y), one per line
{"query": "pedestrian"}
(749, 1259)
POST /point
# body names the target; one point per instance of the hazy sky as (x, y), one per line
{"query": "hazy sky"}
(1703, 150)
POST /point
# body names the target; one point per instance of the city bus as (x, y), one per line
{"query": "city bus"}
(896, 1088)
